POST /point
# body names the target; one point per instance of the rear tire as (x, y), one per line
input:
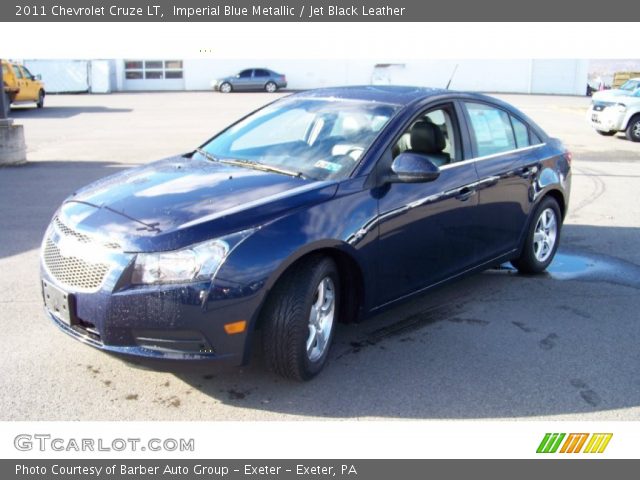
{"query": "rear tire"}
(610, 133)
(299, 318)
(633, 129)
(543, 238)
(270, 87)
(40, 102)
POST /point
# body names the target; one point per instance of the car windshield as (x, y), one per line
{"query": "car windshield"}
(320, 139)
(630, 85)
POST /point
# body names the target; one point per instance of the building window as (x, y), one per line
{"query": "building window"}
(152, 69)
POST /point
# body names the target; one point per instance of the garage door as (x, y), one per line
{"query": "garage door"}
(153, 75)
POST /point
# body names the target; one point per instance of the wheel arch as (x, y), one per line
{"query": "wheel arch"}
(352, 279)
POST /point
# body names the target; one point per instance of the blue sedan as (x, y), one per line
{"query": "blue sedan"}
(325, 206)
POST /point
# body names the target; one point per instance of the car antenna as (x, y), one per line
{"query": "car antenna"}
(452, 75)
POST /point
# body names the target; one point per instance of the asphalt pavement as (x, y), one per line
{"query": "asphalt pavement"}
(496, 345)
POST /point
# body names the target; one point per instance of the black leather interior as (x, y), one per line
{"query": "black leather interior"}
(427, 139)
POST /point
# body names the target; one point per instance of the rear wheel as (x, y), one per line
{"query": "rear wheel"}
(40, 102)
(270, 87)
(633, 129)
(607, 134)
(543, 238)
(299, 319)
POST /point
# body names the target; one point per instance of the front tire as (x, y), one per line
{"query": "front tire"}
(633, 129)
(270, 87)
(40, 102)
(298, 320)
(543, 238)
(226, 87)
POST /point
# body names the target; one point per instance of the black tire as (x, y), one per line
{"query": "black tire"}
(607, 134)
(226, 87)
(270, 87)
(633, 129)
(40, 102)
(285, 319)
(527, 262)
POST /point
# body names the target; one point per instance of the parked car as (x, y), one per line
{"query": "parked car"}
(251, 79)
(618, 114)
(21, 86)
(322, 207)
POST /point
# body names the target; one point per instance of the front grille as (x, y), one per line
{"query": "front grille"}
(72, 271)
(81, 237)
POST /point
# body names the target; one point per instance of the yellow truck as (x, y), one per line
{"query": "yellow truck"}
(21, 86)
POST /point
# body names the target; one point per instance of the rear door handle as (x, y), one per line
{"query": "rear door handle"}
(465, 194)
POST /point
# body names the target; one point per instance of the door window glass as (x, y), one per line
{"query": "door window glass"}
(492, 129)
(245, 74)
(432, 134)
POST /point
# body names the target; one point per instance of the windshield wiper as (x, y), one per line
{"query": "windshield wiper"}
(250, 164)
(261, 166)
(207, 155)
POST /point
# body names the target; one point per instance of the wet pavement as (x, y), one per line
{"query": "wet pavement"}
(562, 345)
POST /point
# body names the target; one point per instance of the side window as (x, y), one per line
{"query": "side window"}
(492, 129)
(245, 74)
(261, 73)
(434, 135)
(17, 72)
(521, 132)
(26, 73)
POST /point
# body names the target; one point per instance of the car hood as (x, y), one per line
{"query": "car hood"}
(607, 95)
(180, 201)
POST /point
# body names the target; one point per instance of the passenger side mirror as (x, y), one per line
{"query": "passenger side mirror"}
(412, 168)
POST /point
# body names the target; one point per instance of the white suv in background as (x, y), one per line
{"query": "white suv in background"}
(616, 114)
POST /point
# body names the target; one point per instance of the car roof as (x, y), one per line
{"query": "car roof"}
(390, 94)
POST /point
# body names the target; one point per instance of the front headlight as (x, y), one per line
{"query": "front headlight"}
(198, 262)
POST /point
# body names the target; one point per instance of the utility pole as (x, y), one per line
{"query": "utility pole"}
(13, 150)
(4, 108)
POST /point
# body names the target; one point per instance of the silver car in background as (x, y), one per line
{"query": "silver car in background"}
(251, 79)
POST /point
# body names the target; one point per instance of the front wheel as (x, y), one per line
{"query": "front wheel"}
(226, 87)
(633, 129)
(299, 319)
(270, 87)
(40, 102)
(543, 238)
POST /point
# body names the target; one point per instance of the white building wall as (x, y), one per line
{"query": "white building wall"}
(563, 76)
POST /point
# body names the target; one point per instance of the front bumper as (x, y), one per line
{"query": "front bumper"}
(173, 322)
(606, 120)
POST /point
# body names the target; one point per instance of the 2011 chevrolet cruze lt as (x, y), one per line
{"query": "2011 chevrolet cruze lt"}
(322, 207)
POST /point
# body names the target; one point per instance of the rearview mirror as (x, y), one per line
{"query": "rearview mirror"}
(412, 168)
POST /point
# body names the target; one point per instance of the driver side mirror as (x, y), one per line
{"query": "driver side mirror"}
(37, 77)
(412, 168)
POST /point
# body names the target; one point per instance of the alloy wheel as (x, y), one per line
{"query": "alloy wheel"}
(545, 235)
(321, 319)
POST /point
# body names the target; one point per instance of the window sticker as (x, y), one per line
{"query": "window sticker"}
(332, 167)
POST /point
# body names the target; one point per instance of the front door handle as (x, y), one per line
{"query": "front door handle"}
(465, 194)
